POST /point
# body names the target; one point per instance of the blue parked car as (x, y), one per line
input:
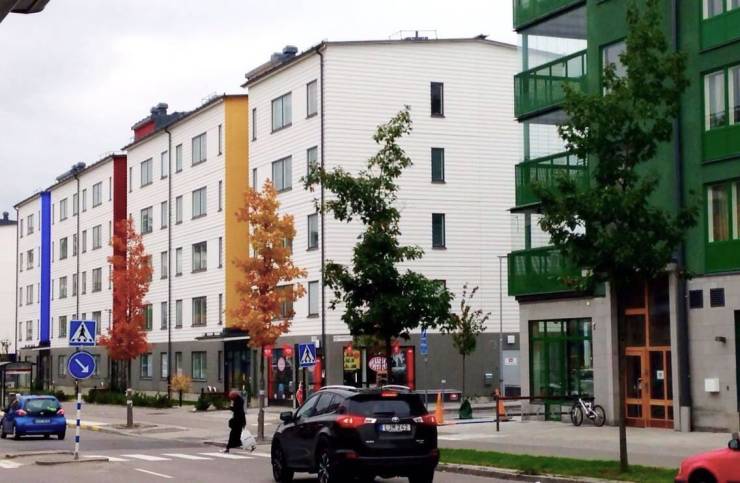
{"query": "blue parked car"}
(34, 415)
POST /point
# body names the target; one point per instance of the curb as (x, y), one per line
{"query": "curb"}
(491, 472)
(67, 462)
(455, 422)
(35, 453)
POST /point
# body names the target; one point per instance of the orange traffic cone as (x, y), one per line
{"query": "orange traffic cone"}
(500, 408)
(439, 412)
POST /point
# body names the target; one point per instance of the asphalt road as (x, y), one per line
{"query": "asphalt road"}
(149, 460)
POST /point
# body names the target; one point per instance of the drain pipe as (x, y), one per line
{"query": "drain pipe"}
(682, 324)
(169, 262)
(324, 348)
(17, 269)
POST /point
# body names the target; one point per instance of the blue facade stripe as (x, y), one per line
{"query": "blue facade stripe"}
(45, 283)
(77, 439)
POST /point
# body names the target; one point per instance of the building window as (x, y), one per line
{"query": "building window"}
(62, 287)
(312, 98)
(178, 262)
(220, 309)
(29, 259)
(97, 279)
(148, 317)
(75, 205)
(178, 158)
(97, 241)
(63, 209)
(178, 314)
(147, 174)
(74, 284)
(437, 97)
(313, 231)
(286, 305)
(178, 363)
(611, 56)
(200, 256)
(438, 165)
(312, 159)
(200, 201)
(723, 208)
(62, 326)
(96, 373)
(199, 149)
(164, 164)
(130, 179)
(313, 298)
(712, 8)
(178, 210)
(254, 124)
(29, 225)
(97, 317)
(220, 139)
(561, 358)
(145, 361)
(714, 100)
(199, 366)
(97, 194)
(29, 330)
(282, 174)
(438, 230)
(164, 214)
(74, 245)
(146, 220)
(84, 283)
(220, 252)
(163, 365)
(220, 195)
(20, 227)
(110, 188)
(163, 265)
(254, 179)
(63, 248)
(163, 315)
(84, 241)
(282, 115)
(61, 366)
(199, 311)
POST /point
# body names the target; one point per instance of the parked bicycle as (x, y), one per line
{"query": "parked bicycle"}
(594, 412)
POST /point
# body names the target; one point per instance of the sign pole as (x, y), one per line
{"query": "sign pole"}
(77, 426)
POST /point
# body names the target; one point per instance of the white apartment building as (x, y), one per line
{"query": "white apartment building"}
(187, 173)
(323, 106)
(8, 234)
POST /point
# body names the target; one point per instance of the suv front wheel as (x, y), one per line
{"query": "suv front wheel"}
(280, 471)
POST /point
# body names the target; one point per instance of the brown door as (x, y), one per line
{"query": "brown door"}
(635, 386)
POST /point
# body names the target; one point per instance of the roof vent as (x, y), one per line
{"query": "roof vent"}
(159, 110)
(289, 51)
(5, 215)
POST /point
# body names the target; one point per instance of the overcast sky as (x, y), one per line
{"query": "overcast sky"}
(75, 77)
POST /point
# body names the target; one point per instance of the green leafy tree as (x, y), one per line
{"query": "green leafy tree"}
(379, 299)
(611, 228)
(464, 328)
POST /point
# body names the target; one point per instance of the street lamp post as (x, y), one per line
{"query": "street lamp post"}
(500, 325)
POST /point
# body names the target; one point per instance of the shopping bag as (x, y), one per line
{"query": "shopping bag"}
(248, 441)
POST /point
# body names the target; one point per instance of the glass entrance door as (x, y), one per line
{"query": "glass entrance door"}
(635, 381)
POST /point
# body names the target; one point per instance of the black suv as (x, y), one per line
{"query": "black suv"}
(343, 433)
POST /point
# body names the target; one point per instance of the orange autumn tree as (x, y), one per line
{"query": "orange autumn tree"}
(132, 273)
(266, 291)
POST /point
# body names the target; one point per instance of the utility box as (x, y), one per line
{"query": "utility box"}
(711, 384)
(488, 379)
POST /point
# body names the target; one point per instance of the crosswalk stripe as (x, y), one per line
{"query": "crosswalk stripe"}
(261, 455)
(145, 457)
(186, 456)
(227, 456)
(9, 465)
(113, 459)
(167, 477)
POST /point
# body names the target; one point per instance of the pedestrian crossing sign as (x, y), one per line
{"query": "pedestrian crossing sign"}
(82, 333)
(307, 354)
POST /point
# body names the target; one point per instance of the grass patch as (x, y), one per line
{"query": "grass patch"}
(537, 465)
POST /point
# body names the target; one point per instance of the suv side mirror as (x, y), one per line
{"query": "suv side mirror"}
(734, 443)
(287, 416)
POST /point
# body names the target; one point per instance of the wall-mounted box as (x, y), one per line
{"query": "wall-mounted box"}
(711, 384)
(511, 339)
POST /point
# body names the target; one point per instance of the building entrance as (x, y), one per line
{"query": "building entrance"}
(647, 356)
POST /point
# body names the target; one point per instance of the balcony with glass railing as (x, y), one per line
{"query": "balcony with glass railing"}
(546, 171)
(542, 88)
(540, 271)
(720, 24)
(528, 11)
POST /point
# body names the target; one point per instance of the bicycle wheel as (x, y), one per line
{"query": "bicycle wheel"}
(599, 415)
(576, 415)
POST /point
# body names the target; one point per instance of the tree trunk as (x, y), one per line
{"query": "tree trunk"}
(388, 361)
(128, 374)
(621, 385)
(463, 377)
(261, 413)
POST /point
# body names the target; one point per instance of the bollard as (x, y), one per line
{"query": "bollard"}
(77, 426)
(129, 408)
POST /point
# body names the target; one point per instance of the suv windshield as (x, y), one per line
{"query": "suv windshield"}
(37, 406)
(402, 406)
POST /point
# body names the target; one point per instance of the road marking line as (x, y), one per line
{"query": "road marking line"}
(227, 456)
(155, 474)
(261, 455)
(145, 457)
(9, 465)
(186, 456)
(110, 458)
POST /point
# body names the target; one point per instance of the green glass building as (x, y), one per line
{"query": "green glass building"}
(681, 334)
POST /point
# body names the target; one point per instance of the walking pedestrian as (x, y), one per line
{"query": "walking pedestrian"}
(238, 421)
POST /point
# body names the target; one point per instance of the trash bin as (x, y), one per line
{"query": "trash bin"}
(466, 410)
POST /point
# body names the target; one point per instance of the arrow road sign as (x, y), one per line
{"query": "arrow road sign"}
(81, 365)
(307, 355)
(82, 333)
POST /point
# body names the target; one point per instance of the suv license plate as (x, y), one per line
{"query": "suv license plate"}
(43, 421)
(395, 428)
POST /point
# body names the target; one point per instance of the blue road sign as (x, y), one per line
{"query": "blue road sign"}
(81, 365)
(307, 355)
(423, 343)
(82, 333)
